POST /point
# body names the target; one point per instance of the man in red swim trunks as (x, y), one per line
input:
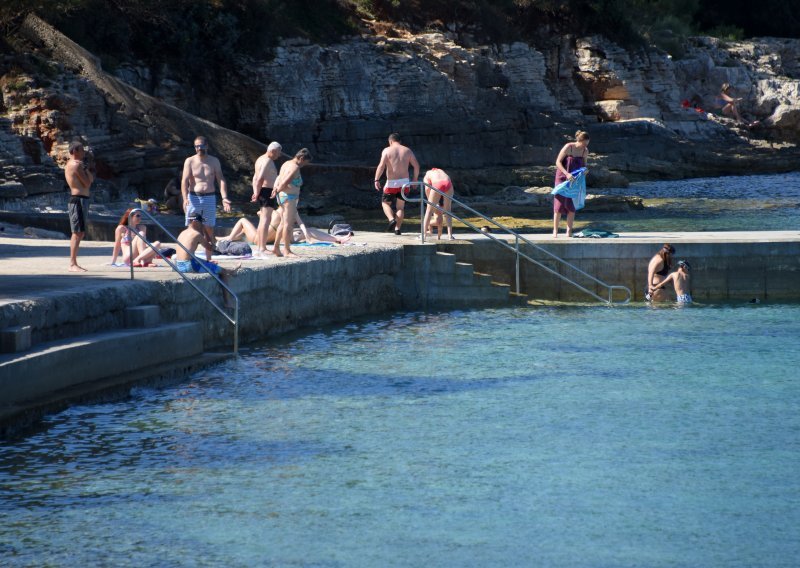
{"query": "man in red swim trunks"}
(395, 159)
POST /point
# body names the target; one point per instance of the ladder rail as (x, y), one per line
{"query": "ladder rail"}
(423, 200)
(233, 320)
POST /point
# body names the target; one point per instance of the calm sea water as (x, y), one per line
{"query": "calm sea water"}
(550, 436)
(736, 203)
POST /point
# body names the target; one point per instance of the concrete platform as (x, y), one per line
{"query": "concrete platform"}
(37, 268)
(34, 268)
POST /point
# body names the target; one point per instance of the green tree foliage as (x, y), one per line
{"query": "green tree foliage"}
(192, 34)
(778, 18)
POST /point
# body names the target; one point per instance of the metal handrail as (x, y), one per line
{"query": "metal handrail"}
(235, 319)
(423, 200)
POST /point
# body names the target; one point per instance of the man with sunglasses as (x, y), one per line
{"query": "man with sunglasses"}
(79, 175)
(200, 172)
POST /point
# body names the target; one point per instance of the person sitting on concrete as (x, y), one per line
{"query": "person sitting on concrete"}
(172, 194)
(681, 280)
(130, 229)
(193, 236)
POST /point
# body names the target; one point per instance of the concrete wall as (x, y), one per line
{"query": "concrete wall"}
(279, 297)
(282, 297)
(720, 270)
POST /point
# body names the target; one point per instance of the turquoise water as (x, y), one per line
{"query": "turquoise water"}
(735, 203)
(549, 436)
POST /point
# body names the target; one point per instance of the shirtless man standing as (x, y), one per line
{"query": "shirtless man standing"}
(263, 181)
(396, 160)
(79, 176)
(197, 186)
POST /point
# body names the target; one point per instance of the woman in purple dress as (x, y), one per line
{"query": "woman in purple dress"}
(571, 157)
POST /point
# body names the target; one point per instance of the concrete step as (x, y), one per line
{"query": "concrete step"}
(518, 299)
(15, 418)
(54, 366)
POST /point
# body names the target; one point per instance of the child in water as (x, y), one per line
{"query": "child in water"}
(681, 280)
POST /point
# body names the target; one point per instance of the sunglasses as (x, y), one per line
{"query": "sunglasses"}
(200, 146)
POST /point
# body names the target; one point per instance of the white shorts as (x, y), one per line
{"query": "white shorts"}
(395, 184)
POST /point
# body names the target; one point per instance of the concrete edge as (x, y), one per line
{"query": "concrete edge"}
(19, 419)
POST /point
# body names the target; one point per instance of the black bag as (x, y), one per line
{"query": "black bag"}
(235, 248)
(341, 230)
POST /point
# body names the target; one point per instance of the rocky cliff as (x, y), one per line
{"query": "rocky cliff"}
(491, 115)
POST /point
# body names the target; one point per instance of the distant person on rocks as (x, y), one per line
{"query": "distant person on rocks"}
(172, 194)
(128, 231)
(573, 155)
(200, 172)
(681, 280)
(263, 182)
(287, 191)
(191, 237)
(79, 174)
(657, 270)
(441, 181)
(395, 160)
(728, 105)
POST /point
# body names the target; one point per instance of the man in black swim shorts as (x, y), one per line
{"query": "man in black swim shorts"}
(79, 173)
(263, 182)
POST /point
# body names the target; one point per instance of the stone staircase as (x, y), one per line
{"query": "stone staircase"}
(48, 376)
(436, 280)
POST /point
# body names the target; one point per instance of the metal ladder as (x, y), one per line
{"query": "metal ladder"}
(423, 200)
(233, 320)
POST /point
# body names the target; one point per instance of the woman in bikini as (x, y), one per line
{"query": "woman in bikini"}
(572, 156)
(657, 270)
(287, 190)
(440, 180)
(129, 227)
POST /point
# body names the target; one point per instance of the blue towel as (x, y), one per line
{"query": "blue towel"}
(575, 189)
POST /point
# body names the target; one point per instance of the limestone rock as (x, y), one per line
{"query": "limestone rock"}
(37, 183)
(12, 190)
(36, 233)
(491, 115)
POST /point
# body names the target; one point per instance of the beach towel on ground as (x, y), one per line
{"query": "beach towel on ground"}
(575, 189)
(595, 234)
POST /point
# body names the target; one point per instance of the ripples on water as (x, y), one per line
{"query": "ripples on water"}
(570, 436)
(736, 203)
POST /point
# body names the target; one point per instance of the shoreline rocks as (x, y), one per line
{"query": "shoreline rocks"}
(493, 116)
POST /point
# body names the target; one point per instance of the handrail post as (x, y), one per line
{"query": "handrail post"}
(236, 326)
(422, 214)
(516, 257)
(519, 254)
(130, 243)
(235, 320)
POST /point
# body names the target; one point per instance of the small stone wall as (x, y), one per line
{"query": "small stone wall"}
(721, 271)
